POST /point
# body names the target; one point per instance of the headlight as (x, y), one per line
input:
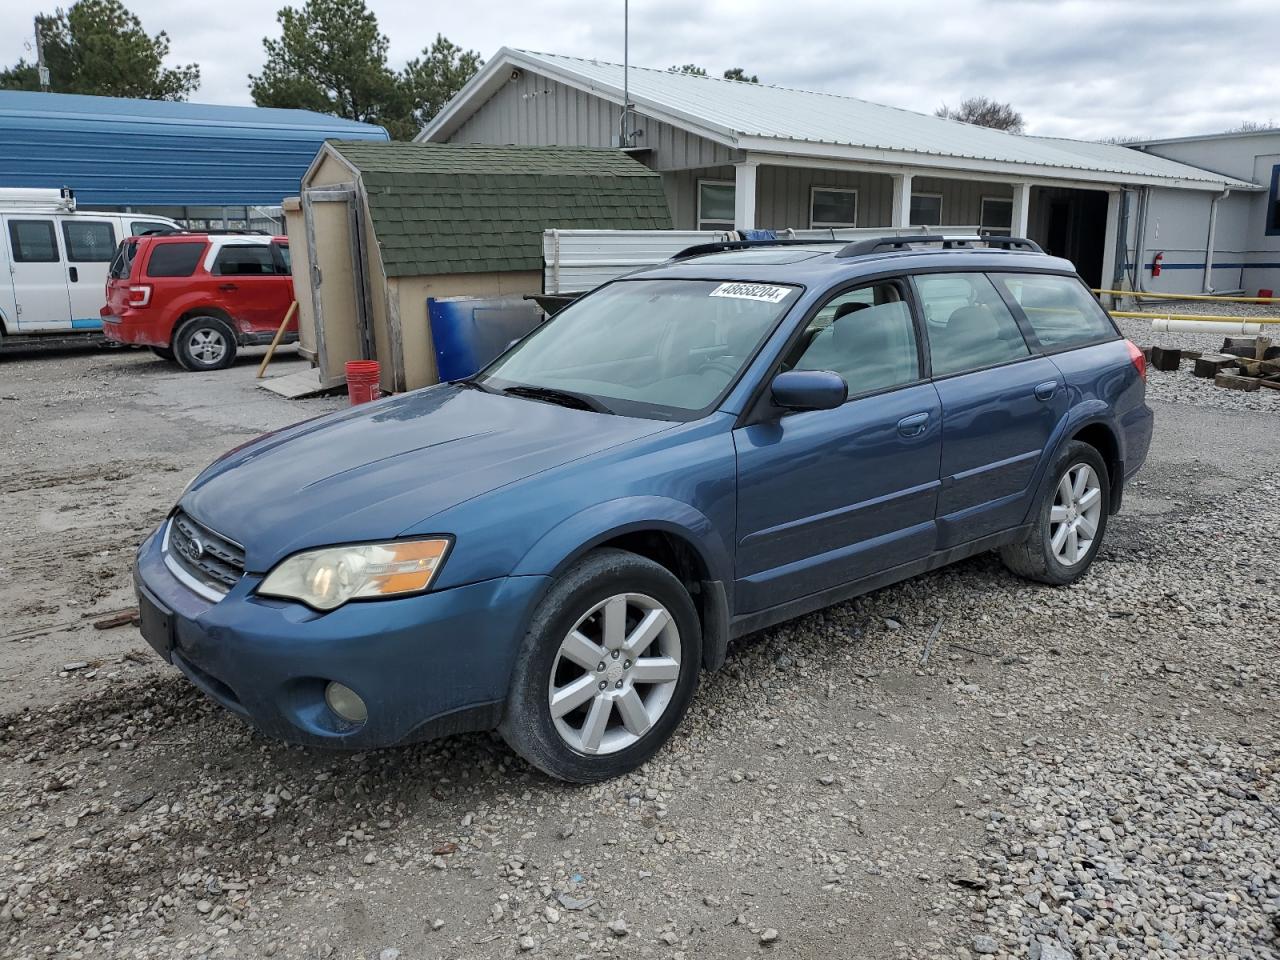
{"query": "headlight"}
(328, 578)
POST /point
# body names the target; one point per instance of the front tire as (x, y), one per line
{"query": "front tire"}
(1071, 520)
(607, 669)
(205, 343)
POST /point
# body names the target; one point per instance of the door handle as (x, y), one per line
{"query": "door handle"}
(227, 287)
(1046, 390)
(75, 275)
(913, 425)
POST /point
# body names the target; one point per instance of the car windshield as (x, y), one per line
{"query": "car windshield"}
(664, 348)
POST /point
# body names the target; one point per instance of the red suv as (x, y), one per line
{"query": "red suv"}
(196, 297)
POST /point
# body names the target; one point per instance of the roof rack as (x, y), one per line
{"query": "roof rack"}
(861, 248)
(163, 231)
(720, 246)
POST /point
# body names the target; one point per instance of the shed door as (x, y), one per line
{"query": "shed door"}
(39, 273)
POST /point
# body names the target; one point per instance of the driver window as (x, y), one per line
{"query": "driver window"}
(865, 335)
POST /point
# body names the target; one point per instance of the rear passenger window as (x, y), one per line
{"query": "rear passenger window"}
(968, 323)
(866, 336)
(1061, 311)
(33, 241)
(174, 259)
(91, 241)
(244, 261)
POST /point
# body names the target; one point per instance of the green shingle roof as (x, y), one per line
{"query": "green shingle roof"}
(449, 208)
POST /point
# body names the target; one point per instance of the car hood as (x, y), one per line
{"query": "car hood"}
(375, 471)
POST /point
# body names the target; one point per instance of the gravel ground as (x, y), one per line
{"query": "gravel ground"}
(1073, 773)
(1181, 386)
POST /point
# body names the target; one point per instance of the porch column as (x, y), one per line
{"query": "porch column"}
(744, 195)
(900, 213)
(1021, 209)
(1109, 245)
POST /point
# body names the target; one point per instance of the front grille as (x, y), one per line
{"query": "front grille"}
(211, 559)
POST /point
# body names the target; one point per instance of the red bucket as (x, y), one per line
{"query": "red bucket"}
(362, 381)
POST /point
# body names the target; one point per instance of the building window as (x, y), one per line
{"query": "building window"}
(997, 216)
(833, 207)
(1273, 203)
(926, 209)
(715, 204)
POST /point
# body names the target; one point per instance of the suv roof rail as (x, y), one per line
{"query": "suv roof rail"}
(720, 246)
(862, 248)
(162, 231)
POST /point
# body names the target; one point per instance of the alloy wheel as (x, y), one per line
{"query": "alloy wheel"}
(206, 345)
(1075, 514)
(615, 674)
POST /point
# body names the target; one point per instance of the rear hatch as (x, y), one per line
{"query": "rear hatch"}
(119, 275)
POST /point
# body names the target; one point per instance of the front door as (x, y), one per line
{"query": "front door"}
(90, 245)
(38, 272)
(827, 497)
(1000, 405)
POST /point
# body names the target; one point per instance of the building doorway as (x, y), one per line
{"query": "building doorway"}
(1072, 224)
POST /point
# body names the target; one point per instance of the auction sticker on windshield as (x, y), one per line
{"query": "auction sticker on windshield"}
(764, 292)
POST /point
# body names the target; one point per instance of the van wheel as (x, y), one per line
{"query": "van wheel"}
(164, 353)
(606, 671)
(1070, 522)
(205, 343)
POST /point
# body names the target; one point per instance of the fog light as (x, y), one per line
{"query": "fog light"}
(345, 702)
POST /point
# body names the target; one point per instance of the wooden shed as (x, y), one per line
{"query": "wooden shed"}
(380, 227)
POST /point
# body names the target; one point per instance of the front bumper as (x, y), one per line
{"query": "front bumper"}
(425, 666)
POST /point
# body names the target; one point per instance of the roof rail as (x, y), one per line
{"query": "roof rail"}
(720, 246)
(862, 248)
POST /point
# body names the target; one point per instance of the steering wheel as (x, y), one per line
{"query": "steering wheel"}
(723, 364)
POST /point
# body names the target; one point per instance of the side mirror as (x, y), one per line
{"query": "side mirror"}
(809, 390)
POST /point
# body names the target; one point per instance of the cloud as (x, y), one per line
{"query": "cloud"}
(1082, 68)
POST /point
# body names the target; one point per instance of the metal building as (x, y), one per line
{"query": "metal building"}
(1227, 243)
(736, 155)
(204, 165)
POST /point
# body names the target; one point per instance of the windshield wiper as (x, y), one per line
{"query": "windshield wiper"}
(565, 398)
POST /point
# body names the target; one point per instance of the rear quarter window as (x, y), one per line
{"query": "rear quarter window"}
(1061, 310)
(174, 259)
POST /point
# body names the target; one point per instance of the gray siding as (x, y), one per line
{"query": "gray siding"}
(537, 111)
(961, 199)
(783, 195)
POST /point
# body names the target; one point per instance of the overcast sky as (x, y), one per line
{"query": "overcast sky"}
(1076, 68)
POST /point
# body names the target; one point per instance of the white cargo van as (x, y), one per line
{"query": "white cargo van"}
(54, 259)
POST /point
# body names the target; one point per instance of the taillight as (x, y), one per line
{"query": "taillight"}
(1139, 359)
(140, 295)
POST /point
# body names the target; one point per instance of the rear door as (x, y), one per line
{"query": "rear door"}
(1000, 405)
(38, 272)
(828, 497)
(252, 285)
(90, 245)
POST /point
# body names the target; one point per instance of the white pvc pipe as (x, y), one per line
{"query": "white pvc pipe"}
(1225, 327)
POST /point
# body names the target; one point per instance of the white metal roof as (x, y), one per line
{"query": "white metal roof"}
(768, 119)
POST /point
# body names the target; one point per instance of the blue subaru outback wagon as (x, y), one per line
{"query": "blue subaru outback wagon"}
(557, 546)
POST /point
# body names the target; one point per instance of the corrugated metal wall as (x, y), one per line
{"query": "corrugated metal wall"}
(143, 153)
(537, 111)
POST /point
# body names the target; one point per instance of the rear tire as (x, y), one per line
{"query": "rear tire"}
(616, 619)
(205, 343)
(1070, 521)
(164, 353)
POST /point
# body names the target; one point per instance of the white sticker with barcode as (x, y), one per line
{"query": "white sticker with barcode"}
(764, 292)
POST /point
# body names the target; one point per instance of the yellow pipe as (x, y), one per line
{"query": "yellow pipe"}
(1188, 296)
(1192, 316)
